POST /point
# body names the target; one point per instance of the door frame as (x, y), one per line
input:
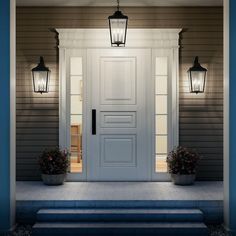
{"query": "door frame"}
(172, 106)
(164, 41)
(64, 106)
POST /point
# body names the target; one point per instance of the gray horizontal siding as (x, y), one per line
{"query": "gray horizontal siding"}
(201, 116)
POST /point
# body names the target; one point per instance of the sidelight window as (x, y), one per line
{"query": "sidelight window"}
(76, 113)
(161, 113)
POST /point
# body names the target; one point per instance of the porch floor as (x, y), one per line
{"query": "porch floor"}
(37, 191)
(33, 196)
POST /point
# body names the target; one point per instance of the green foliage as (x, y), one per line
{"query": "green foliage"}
(54, 161)
(182, 161)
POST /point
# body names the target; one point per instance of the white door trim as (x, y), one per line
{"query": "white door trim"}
(165, 40)
(64, 105)
(172, 105)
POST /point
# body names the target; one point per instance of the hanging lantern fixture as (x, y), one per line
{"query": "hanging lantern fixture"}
(41, 76)
(197, 77)
(118, 27)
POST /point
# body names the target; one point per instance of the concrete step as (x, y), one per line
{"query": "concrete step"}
(118, 215)
(120, 229)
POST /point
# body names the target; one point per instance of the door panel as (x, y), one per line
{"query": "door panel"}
(117, 77)
(118, 119)
(118, 80)
(118, 150)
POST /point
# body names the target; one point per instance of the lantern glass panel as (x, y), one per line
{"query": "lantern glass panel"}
(41, 81)
(118, 31)
(197, 81)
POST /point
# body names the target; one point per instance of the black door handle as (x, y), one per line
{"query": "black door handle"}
(93, 121)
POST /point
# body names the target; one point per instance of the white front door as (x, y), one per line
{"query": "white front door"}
(117, 147)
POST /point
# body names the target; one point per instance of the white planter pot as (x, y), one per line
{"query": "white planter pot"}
(183, 179)
(54, 179)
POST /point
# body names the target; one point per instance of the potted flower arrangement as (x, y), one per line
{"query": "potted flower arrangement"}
(54, 164)
(182, 164)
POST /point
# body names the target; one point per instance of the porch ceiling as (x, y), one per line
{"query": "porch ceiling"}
(134, 3)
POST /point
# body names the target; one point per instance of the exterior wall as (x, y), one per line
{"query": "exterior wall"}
(201, 116)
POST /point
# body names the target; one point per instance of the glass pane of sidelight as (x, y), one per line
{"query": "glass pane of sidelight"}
(76, 84)
(76, 104)
(161, 66)
(76, 144)
(161, 104)
(161, 165)
(161, 124)
(161, 84)
(76, 119)
(161, 144)
(76, 66)
(76, 114)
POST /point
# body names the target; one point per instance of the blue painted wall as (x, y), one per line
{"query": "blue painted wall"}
(232, 116)
(4, 115)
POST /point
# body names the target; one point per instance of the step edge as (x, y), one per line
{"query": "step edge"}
(188, 225)
(119, 211)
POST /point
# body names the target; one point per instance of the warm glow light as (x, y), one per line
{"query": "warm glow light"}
(40, 77)
(197, 77)
(118, 28)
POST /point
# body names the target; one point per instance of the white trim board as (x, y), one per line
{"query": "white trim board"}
(12, 110)
(136, 38)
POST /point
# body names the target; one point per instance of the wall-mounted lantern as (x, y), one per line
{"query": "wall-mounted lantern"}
(197, 77)
(41, 76)
(118, 27)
